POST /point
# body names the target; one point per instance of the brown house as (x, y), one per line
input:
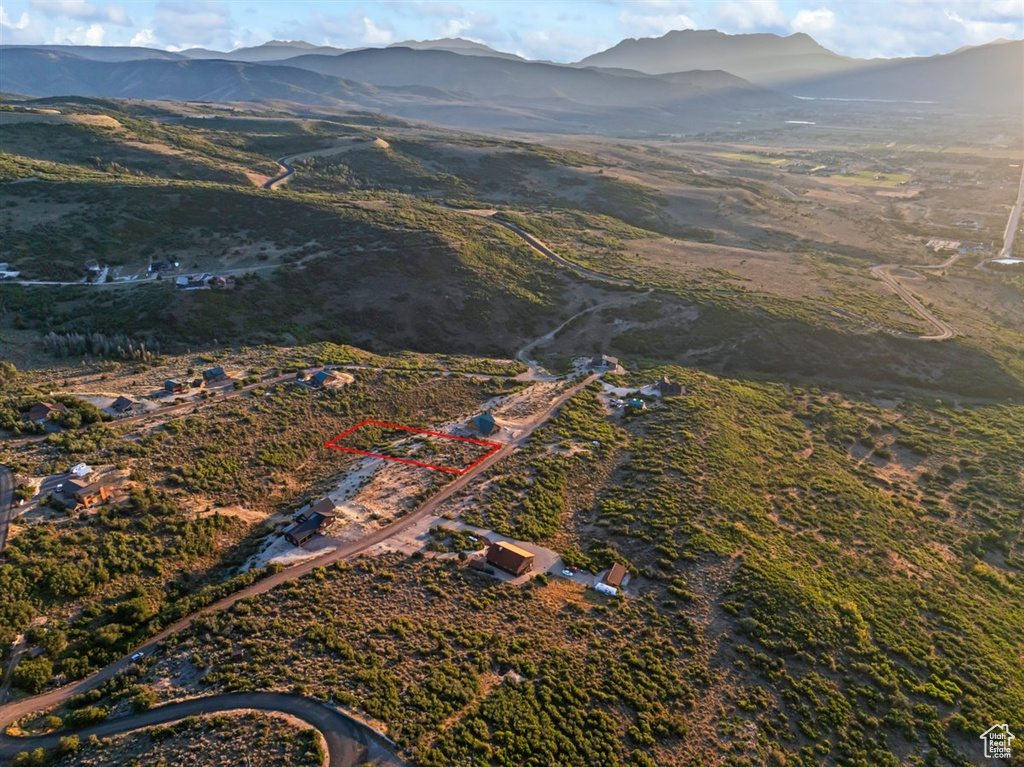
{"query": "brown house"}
(89, 494)
(44, 411)
(616, 575)
(670, 388)
(510, 558)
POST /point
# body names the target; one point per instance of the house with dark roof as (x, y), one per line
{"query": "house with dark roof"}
(670, 388)
(321, 379)
(604, 361)
(122, 406)
(214, 375)
(45, 411)
(175, 386)
(324, 507)
(302, 531)
(485, 424)
(510, 558)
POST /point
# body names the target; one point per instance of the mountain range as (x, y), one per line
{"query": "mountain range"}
(682, 81)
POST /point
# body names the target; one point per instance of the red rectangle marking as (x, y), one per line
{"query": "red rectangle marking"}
(495, 446)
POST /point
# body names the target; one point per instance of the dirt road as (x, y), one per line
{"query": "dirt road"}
(944, 331)
(349, 743)
(6, 505)
(14, 711)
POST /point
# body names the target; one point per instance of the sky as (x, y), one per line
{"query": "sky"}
(555, 30)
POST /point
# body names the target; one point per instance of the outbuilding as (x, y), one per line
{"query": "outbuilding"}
(174, 386)
(80, 470)
(510, 558)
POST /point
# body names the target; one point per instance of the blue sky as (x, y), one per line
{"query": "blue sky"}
(559, 30)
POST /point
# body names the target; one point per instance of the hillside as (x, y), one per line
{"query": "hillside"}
(989, 75)
(449, 88)
(817, 506)
(762, 58)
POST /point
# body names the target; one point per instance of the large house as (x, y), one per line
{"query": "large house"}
(45, 411)
(88, 494)
(175, 386)
(510, 558)
(603, 361)
(214, 375)
(310, 520)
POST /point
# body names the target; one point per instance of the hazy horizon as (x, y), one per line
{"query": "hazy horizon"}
(560, 31)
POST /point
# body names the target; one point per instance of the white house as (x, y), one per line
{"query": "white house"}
(80, 469)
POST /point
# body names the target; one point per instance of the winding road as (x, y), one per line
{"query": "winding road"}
(6, 505)
(348, 742)
(943, 330)
(14, 711)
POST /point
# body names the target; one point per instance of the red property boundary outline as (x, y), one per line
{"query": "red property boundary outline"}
(496, 446)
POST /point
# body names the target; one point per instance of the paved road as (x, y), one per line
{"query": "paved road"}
(14, 711)
(1014, 221)
(348, 742)
(6, 505)
(287, 171)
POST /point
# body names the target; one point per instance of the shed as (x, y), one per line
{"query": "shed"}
(639, 404)
(616, 575)
(510, 558)
(485, 424)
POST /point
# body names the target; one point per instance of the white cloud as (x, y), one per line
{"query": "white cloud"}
(143, 38)
(753, 15)
(200, 23)
(82, 10)
(374, 35)
(5, 20)
(814, 22)
(636, 23)
(981, 30)
(90, 35)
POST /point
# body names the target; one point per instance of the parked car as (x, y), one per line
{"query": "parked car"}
(137, 656)
(567, 573)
